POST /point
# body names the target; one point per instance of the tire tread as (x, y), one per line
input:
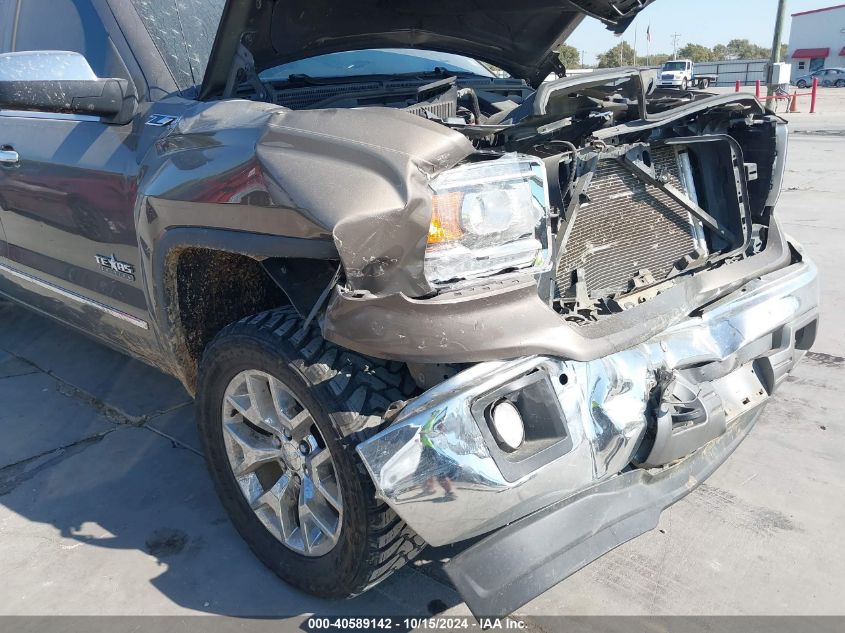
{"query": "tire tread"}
(364, 387)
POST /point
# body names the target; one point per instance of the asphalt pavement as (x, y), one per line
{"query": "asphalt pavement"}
(106, 506)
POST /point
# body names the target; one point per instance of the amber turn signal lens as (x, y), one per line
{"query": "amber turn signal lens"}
(445, 218)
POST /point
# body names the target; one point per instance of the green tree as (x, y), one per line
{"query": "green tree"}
(655, 59)
(569, 56)
(720, 52)
(740, 49)
(743, 49)
(696, 53)
(620, 55)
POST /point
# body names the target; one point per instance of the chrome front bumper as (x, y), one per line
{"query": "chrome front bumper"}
(439, 468)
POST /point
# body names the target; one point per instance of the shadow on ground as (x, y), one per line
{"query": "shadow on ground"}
(106, 506)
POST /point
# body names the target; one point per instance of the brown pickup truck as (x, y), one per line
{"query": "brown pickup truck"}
(418, 301)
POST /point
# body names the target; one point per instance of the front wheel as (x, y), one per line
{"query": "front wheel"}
(801, 84)
(280, 412)
(840, 83)
(684, 85)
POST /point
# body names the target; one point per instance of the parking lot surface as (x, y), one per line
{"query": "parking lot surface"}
(106, 507)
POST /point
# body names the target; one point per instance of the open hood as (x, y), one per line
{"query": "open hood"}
(519, 36)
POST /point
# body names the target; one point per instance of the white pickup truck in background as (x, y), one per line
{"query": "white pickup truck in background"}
(680, 73)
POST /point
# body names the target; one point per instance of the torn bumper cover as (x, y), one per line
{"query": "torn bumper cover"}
(521, 561)
(675, 405)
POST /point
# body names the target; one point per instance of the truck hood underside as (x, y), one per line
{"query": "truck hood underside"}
(520, 37)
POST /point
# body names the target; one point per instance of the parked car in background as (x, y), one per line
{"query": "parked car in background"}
(827, 77)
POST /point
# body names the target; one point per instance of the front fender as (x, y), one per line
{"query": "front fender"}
(363, 174)
(356, 176)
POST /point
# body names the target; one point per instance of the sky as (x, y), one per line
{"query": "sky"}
(707, 22)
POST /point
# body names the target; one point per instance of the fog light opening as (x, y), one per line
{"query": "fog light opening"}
(507, 425)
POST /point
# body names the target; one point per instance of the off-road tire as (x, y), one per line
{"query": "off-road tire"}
(347, 395)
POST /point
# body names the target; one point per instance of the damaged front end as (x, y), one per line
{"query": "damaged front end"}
(637, 330)
(608, 443)
(587, 282)
(597, 213)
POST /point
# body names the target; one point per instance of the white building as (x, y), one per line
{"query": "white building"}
(817, 40)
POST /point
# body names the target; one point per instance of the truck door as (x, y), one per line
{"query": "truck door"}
(7, 16)
(67, 189)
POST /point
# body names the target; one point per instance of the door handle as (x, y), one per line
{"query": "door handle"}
(9, 157)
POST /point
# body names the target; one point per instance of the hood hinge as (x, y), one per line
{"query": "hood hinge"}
(558, 67)
(243, 70)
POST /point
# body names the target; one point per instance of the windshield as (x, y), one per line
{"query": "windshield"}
(183, 32)
(675, 66)
(381, 61)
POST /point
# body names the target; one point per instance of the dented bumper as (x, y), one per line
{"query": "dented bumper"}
(664, 404)
(523, 560)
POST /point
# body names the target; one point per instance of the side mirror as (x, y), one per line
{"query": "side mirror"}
(58, 81)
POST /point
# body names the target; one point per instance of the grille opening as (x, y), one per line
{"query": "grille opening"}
(628, 229)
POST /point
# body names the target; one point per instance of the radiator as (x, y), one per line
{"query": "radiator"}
(627, 227)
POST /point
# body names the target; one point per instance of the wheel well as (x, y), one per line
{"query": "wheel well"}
(206, 291)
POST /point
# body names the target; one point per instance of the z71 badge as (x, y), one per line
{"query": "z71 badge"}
(113, 266)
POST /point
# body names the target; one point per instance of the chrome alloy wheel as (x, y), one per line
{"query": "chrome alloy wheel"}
(281, 463)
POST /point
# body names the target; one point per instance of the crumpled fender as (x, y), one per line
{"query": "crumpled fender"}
(360, 175)
(364, 174)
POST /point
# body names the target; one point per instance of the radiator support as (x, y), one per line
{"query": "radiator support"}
(626, 229)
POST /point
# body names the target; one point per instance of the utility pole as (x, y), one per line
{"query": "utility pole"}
(776, 43)
(636, 36)
(583, 57)
(675, 38)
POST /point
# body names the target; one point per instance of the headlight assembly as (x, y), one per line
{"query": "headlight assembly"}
(488, 218)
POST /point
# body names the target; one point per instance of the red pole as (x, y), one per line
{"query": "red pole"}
(738, 85)
(814, 95)
(757, 89)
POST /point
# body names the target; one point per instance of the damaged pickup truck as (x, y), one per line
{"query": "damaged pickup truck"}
(417, 302)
